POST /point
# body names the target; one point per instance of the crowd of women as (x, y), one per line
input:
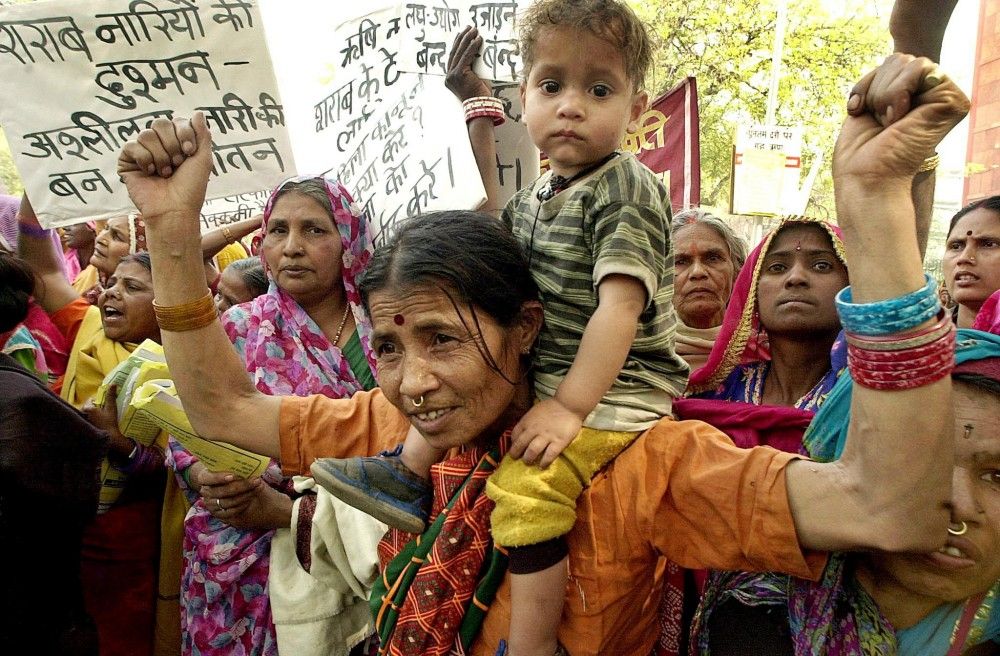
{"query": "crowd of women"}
(801, 500)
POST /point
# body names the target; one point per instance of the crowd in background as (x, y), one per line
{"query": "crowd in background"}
(684, 539)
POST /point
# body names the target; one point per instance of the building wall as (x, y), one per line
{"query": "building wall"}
(983, 177)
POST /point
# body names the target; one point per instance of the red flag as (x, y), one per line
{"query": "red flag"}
(667, 141)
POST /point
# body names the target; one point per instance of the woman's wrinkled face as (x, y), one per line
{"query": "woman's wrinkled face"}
(968, 563)
(799, 279)
(426, 349)
(971, 262)
(302, 248)
(112, 245)
(126, 305)
(705, 272)
(232, 290)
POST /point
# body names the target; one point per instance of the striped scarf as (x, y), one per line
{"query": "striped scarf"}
(434, 594)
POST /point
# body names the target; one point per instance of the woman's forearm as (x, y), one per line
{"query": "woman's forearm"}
(482, 136)
(219, 398)
(214, 241)
(895, 471)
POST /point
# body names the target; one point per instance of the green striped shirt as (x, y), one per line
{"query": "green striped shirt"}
(614, 221)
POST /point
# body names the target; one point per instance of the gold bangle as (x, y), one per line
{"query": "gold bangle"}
(228, 235)
(930, 163)
(187, 316)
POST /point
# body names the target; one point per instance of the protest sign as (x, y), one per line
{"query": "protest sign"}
(428, 29)
(89, 75)
(219, 212)
(397, 140)
(767, 163)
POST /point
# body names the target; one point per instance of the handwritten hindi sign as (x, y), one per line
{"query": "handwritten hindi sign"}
(89, 75)
(428, 29)
(219, 212)
(396, 140)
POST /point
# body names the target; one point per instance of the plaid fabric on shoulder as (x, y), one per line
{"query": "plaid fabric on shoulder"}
(433, 595)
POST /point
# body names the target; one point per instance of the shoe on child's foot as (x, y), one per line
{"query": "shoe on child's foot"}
(381, 486)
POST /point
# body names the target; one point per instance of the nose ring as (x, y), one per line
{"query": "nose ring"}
(419, 401)
(963, 527)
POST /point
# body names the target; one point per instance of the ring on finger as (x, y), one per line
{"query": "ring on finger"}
(218, 504)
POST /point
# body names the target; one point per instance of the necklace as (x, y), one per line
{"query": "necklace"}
(343, 322)
(556, 184)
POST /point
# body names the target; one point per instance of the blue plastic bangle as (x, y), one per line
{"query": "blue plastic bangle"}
(33, 231)
(893, 315)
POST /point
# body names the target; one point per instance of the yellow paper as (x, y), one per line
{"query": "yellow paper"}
(130, 422)
(148, 351)
(157, 402)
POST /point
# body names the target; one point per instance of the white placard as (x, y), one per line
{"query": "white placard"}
(89, 75)
(428, 28)
(396, 140)
(762, 185)
(352, 111)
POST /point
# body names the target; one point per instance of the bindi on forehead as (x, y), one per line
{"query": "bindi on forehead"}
(398, 319)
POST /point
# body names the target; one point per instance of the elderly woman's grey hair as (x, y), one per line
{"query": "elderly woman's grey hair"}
(737, 247)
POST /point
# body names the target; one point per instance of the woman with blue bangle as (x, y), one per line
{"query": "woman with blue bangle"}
(882, 603)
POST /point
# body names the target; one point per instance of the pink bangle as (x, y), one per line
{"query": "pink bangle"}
(902, 356)
(903, 369)
(900, 342)
(484, 107)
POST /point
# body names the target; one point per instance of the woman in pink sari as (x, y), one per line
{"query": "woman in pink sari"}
(780, 350)
(307, 335)
(777, 356)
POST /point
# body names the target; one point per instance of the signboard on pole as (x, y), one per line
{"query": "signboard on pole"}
(767, 164)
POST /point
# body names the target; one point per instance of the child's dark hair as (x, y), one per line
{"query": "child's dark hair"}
(611, 20)
(992, 203)
(16, 285)
(473, 258)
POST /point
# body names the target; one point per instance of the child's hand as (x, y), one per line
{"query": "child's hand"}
(544, 432)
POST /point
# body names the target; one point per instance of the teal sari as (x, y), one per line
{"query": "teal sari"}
(837, 617)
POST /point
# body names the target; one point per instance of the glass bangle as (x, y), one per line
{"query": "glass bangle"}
(893, 315)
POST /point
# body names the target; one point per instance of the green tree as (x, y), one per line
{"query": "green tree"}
(727, 47)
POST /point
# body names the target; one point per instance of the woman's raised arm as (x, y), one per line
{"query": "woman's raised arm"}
(35, 246)
(890, 488)
(166, 171)
(462, 81)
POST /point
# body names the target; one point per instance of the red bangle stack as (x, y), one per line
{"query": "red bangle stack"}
(903, 361)
(484, 107)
